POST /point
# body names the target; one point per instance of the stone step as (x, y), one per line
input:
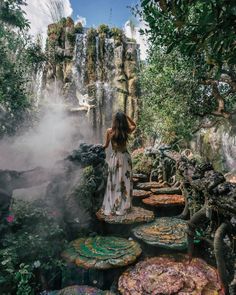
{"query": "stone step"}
(164, 200)
(169, 274)
(135, 215)
(151, 185)
(141, 194)
(165, 232)
(141, 177)
(166, 190)
(101, 252)
(80, 290)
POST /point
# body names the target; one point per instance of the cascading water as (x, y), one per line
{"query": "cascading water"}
(97, 72)
(229, 150)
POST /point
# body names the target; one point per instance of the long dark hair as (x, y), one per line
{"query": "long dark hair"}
(120, 128)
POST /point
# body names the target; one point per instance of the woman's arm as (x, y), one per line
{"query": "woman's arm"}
(107, 138)
(131, 123)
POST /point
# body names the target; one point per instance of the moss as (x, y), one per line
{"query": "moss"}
(141, 162)
(116, 33)
(103, 30)
(91, 55)
(79, 28)
(71, 38)
(69, 22)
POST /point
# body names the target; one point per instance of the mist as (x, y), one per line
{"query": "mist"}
(55, 135)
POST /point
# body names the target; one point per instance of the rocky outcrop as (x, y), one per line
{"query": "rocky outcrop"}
(76, 192)
(94, 70)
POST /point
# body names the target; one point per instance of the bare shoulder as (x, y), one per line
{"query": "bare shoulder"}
(109, 130)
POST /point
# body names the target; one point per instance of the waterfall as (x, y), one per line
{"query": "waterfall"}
(229, 149)
(95, 70)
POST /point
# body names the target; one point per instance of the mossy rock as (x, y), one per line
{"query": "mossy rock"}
(141, 162)
(165, 232)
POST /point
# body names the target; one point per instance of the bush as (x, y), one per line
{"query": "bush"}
(30, 250)
(141, 162)
(78, 28)
(103, 29)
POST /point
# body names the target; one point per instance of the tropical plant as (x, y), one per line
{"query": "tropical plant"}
(30, 250)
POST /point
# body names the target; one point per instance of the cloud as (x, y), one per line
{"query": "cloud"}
(132, 30)
(82, 20)
(40, 16)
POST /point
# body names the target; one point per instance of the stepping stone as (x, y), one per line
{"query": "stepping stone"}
(135, 215)
(150, 185)
(167, 190)
(170, 275)
(164, 200)
(165, 232)
(102, 252)
(141, 194)
(141, 177)
(80, 290)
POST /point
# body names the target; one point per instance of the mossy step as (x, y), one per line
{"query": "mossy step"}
(165, 232)
(164, 200)
(170, 275)
(102, 252)
(151, 185)
(80, 290)
(135, 215)
(141, 194)
(166, 190)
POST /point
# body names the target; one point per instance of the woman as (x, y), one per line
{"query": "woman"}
(119, 189)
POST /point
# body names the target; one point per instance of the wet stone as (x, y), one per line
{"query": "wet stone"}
(80, 290)
(135, 215)
(102, 252)
(150, 185)
(141, 194)
(164, 200)
(165, 232)
(170, 275)
(167, 190)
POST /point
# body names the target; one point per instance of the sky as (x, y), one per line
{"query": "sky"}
(96, 12)
(89, 12)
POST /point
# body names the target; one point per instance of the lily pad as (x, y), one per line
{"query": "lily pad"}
(102, 252)
(165, 232)
(170, 275)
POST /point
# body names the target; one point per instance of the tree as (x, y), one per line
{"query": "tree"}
(194, 26)
(202, 33)
(18, 58)
(170, 95)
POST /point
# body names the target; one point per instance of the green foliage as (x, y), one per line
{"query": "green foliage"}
(19, 60)
(170, 95)
(190, 77)
(91, 54)
(141, 162)
(79, 28)
(194, 27)
(86, 189)
(30, 250)
(103, 30)
(12, 14)
(71, 38)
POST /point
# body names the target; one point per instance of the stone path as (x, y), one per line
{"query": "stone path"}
(158, 275)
